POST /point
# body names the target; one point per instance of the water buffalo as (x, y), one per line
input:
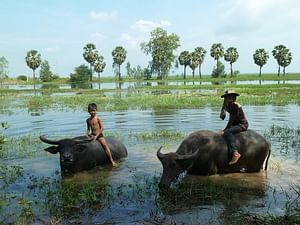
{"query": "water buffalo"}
(83, 153)
(205, 153)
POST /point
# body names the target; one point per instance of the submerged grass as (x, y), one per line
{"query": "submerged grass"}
(168, 96)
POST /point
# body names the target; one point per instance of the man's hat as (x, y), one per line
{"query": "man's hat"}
(230, 92)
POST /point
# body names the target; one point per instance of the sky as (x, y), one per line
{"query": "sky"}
(59, 30)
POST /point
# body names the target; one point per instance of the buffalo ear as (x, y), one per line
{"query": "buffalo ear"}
(52, 149)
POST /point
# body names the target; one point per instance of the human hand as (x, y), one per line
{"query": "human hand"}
(222, 115)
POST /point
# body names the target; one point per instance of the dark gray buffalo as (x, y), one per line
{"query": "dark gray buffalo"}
(83, 153)
(206, 153)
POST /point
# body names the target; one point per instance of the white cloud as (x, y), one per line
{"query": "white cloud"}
(132, 41)
(244, 16)
(146, 26)
(104, 16)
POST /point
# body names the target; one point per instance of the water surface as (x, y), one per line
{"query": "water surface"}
(142, 166)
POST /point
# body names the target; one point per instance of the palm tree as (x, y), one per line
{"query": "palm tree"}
(184, 60)
(119, 56)
(283, 57)
(90, 55)
(286, 61)
(201, 55)
(231, 56)
(194, 62)
(33, 60)
(99, 65)
(260, 58)
(217, 52)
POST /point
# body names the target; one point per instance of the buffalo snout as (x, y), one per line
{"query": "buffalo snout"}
(67, 157)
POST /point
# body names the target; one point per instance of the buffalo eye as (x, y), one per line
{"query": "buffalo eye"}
(80, 148)
(173, 164)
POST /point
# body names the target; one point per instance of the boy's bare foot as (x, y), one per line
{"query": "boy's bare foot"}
(114, 164)
(235, 158)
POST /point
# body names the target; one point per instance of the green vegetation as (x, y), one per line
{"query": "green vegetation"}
(46, 74)
(3, 68)
(149, 97)
(82, 74)
(161, 47)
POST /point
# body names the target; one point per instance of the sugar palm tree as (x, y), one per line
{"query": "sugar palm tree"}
(194, 61)
(283, 57)
(201, 55)
(231, 56)
(99, 65)
(260, 57)
(33, 60)
(119, 56)
(217, 52)
(184, 60)
(90, 54)
(286, 61)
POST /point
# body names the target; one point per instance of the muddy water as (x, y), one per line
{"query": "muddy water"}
(142, 166)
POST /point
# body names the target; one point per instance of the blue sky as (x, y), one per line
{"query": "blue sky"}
(59, 29)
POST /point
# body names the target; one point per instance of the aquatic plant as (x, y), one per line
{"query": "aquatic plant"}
(155, 135)
(286, 137)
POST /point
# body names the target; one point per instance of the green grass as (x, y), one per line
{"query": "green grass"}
(161, 97)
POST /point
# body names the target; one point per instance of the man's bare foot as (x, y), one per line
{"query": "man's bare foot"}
(235, 158)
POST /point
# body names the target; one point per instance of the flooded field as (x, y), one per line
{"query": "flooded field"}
(129, 194)
(128, 85)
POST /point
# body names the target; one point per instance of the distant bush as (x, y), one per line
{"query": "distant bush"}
(219, 70)
(235, 73)
(22, 77)
(82, 74)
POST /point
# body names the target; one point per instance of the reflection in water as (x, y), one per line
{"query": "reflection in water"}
(126, 85)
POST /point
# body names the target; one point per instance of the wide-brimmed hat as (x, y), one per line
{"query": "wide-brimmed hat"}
(230, 92)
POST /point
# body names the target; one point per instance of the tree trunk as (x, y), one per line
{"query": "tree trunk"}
(193, 73)
(284, 71)
(91, 69)
(119, 71)
(278, 71)
(200, 75)
(184, 72)
(231, 72)
(260, 71)
(217, 68)
(33, 74)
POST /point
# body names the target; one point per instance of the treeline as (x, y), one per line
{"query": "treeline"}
(161, 47)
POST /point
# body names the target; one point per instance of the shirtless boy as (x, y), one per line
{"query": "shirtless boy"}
(95, 129)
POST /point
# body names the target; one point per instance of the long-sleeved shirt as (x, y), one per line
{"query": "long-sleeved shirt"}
(236, 116)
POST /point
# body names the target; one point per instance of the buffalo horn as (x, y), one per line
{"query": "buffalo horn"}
(194, 154)
(46, 140)
(159, 154)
